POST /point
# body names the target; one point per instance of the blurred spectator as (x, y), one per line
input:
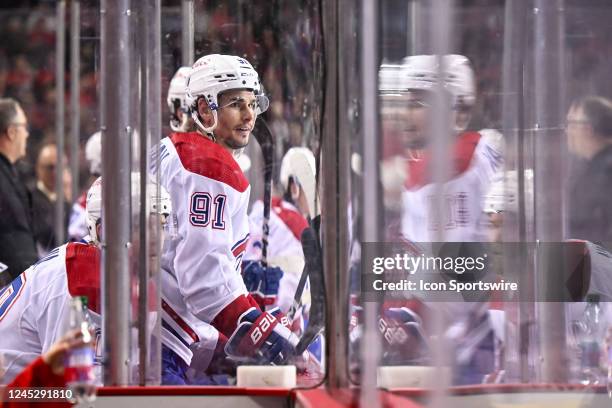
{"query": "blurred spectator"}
(17, 246)
(44, 199)
(589, 136)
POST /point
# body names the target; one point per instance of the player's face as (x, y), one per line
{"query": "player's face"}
(393, 113)
(236, 118)
(415, 128)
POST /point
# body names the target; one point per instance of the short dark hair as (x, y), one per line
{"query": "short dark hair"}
(8, 111)
(598, 111)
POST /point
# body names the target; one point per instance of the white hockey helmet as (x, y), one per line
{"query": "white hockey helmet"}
(299, 163)
(390, 79)
(93, 153)
(421, 72)
(214, 74)
(176, 98)
(159, 203)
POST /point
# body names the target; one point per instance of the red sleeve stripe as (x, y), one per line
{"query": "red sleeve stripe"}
(240, 242)
(182, 324)
(227, 319)
(240, 249)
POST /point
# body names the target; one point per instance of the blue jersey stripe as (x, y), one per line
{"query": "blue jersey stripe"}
(174, 333)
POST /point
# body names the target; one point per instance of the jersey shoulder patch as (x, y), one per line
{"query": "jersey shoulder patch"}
(201, 156)
(83, 273)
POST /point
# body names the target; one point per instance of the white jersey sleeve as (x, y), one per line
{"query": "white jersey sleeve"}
(488, 157)
(210, 197)
(32, 310)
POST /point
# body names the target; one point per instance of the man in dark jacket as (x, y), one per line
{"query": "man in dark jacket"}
(17, 246)
(589, 136)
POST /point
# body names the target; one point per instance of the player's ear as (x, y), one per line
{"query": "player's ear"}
(205, 112)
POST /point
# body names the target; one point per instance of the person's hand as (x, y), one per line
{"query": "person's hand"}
(298, 196)
(56, 355)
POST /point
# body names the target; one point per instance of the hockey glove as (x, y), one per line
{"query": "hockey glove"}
(261, 338)
(262, 283)
(403, 337)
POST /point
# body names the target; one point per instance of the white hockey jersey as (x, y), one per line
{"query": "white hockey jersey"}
(201, 264)
(476, 160)
(284, 245)
(34, 305)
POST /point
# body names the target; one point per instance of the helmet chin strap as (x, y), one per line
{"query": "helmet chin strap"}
(207, 131)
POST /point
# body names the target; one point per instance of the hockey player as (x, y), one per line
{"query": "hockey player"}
(209, 356)
(33, 304)
(180, 121)
(288, 219)
(476, 157)
(201, 266)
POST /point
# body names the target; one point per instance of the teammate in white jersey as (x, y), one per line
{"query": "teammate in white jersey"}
(35, 304)
(288, 219)
(476, 157)
(180, 121)
(201, 266)
(208, 347)
(407, 93)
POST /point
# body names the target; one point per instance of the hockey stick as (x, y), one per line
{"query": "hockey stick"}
(314, 270)
(266, 142)
(299, 291)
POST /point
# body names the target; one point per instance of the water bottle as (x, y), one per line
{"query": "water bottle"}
(591, 341)
(79, 366)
